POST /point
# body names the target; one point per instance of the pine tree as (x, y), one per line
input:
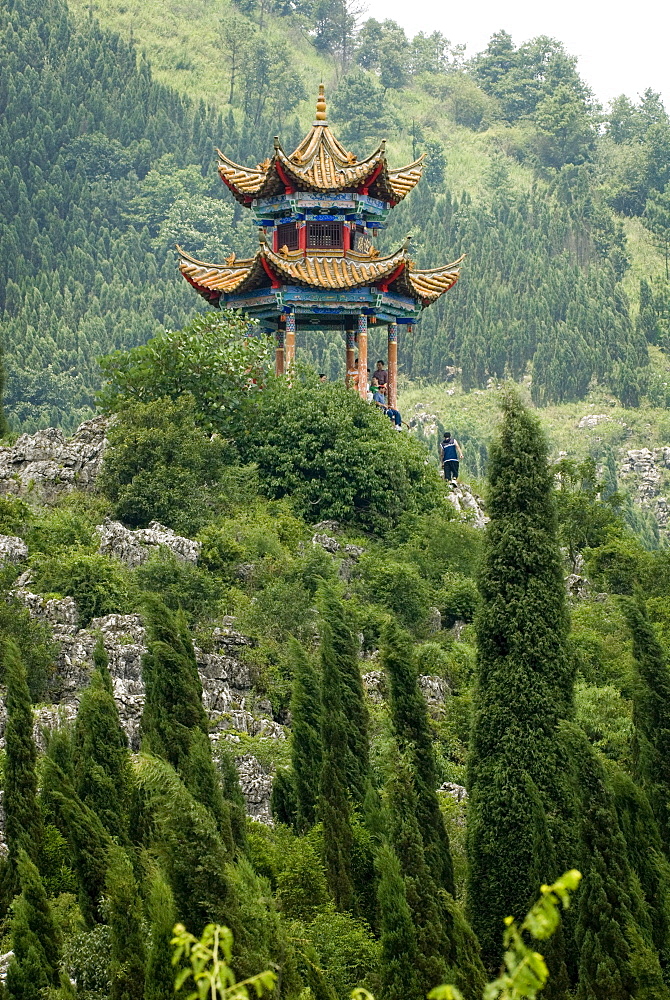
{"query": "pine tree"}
(306, 748)
(397, 937)
(23, 818)
(410, 722)
(101, 758)
(233, 798)
(651, 715)
(524, 683)
(334, 805)
(125, 921)
(34, 937)
(174, 722)
(159, 978)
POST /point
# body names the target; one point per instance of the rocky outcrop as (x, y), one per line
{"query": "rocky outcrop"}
(641, 471)
(256, 785)
(592, 420)
(12, 549)
(134, 547)
(468, 504)
(50, 464)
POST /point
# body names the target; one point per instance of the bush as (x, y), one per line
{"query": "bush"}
(161, 466)
(607, 720)
(347, 950)
(398, 587)
(334, 455)
(180, 585)
(100, 586)
(38, 651)
(458, 599)
(15, 516)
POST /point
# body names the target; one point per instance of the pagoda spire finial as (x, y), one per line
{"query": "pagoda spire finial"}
(321, 105)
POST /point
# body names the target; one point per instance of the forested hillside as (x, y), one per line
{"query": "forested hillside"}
(106, 168)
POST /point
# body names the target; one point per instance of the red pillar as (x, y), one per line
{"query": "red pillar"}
(363, 356)
(279, 351)
(351, 355)
(392, 344)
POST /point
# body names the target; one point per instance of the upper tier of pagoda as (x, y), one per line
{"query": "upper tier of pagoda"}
(320, 164)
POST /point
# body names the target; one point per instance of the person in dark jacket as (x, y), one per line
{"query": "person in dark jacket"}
(450, 453)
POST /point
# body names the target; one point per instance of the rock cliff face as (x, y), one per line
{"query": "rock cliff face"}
(50, 463)
(641, 472)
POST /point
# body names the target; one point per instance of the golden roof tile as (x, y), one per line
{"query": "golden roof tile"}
(332, 271)
(319, 163)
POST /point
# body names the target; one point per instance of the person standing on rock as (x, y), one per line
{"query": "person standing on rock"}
(450, 452)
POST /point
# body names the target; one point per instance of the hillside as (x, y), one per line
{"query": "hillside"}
(553, 227)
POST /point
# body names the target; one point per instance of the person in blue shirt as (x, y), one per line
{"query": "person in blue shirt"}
(450, 452)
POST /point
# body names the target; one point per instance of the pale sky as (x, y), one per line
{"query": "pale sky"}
(621, 47)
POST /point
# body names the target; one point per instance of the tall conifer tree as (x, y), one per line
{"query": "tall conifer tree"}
(410, 721)
(524, 682)
(174, 722)
(23, 818)
(101, 758)
(651, 715)
(159, 978)
(397, 936)
(34, 967)
(306, 749)
(334, 803)
(125, 920)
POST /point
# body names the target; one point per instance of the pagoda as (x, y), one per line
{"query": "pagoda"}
(318, 211)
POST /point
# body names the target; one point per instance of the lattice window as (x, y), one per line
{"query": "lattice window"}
(287, 236)
(325, 235)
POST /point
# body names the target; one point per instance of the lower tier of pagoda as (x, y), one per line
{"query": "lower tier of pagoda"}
(320, 287)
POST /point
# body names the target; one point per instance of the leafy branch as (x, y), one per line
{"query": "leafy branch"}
(209, 966)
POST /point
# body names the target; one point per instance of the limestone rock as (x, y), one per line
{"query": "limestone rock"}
(326, 542)
(434, 620)
(51, 464)
(592, 420)
(12, 549)
(327, 527)
(576, 585)
(374, 685)
(457, 792)
(134, 547)
(468, 504)
(435, 690)
(256, 785)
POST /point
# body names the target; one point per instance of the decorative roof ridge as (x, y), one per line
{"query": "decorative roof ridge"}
(414, 165)
(442, 268)
(234, 262)
(353, 258)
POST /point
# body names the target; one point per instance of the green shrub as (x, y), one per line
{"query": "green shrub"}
(398, 587)
(38, 651)
(99, 585)
(458, 599)
(161, 466)
(15, 516)
(301, 886)
(606, 718)
(180, 585)
(347, 950)
(281, 609)
(61, 530)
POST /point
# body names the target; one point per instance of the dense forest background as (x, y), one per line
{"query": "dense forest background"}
(560, 205)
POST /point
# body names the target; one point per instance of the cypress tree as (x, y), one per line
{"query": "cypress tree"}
(524, 683)
(334, 805)
(233, 798)
(34, 937)
(410, 722)
(350, 693)
(306, 749)
(23, 818)
(125, 922)
(174, 722)
(614, 932)
(651, 715)
(159, 977)
(398, 940)
(101, 758)
(89, 841)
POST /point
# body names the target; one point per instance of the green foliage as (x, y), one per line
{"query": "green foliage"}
(397, 937)
(213, 358)
(180, 585)
(161, 465)
(174, 723)
(306, 746)
(209, 960)
(347, 950)
(98, 584)
(34, 966)
(651, 714)
(398, 587)
(302, 890)
(524, 682)
(34, 642)
(23, 819)
(410, 723)
(303, 435)
(100, 752)
(159, 979)
(124, 915)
